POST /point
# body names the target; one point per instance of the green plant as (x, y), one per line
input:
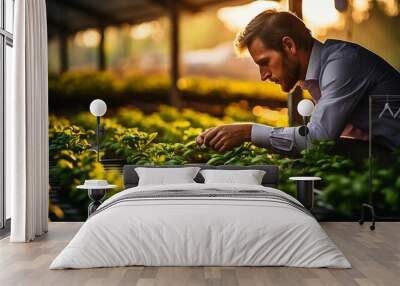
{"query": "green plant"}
(72, 162)
(128, 143)
(152, 140)
(66, 137)
(83, 84)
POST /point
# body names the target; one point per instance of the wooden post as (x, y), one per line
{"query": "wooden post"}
(102, 54)
(63, 41)
(296, 7)
(294, 97)
(174, 98)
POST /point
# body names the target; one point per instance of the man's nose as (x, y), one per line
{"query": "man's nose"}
(265, 75)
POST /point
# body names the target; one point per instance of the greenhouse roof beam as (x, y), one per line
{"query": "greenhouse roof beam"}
(88, 10)
(57, 24)
(181, 3)
(79, 15)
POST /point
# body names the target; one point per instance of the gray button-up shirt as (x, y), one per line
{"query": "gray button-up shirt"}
(346, 75)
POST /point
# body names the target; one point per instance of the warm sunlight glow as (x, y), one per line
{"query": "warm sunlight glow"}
(112, 34)
(258, 110)
(320, 15)
(236, 18)
(361, 10)
(145, 30)
(391, 7)
(89, 38)
(268, 116)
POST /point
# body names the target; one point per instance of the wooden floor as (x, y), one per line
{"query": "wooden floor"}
(375, 256)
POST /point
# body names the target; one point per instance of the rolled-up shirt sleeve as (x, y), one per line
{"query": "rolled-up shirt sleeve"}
(260, 135)
(281, 139)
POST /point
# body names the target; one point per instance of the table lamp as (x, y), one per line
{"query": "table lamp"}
(305, 109)
(98, 108)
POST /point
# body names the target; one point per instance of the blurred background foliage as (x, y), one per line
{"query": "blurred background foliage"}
(78, 88)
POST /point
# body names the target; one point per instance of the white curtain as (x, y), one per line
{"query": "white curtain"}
(27, 124)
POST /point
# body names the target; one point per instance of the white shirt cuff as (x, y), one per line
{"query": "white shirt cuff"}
(260, 135)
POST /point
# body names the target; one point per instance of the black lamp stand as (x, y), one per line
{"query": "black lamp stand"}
(96, 195)
(98, 137)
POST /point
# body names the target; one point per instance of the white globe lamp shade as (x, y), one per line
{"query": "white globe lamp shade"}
(305, 107)
(98, 107)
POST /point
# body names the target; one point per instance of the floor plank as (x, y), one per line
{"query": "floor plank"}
(375, 257)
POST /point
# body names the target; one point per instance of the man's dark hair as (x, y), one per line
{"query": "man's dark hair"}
(270, 27)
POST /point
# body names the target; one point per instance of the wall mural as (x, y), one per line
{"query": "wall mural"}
(128, 68)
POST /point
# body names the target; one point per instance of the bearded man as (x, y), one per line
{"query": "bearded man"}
(339, 75)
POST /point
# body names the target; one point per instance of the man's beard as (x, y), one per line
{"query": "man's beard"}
(292, 74)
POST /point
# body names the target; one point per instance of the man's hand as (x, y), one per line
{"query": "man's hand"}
(225, 137)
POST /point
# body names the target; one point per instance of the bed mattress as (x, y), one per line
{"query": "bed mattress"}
(201, 225)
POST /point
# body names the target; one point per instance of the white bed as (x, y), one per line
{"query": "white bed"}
(202, 231)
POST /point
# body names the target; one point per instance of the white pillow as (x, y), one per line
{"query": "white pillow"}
(164, 176)
(249, 177)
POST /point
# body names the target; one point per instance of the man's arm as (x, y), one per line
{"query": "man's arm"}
(287, 140)
(225, 137)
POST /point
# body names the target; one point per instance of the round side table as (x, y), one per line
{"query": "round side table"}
(96, 194)
(305, 190)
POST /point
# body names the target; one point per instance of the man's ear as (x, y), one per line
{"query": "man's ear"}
(289, 46)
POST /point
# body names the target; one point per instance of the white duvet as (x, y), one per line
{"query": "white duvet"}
(200, 231)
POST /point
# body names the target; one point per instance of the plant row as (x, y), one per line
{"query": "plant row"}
(78, 86)
(167, 137)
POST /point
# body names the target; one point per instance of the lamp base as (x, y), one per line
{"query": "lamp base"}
(305, 193)
(95, 195)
